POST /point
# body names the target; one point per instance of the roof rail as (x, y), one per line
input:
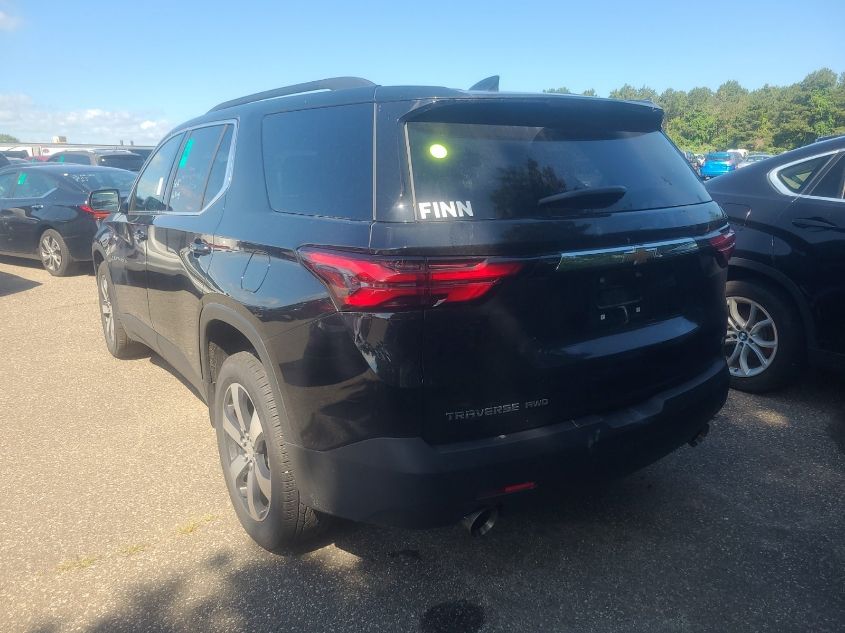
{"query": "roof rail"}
(333, 83)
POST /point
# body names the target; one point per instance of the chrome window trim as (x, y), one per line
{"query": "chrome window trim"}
(782, 188)
(227, 179)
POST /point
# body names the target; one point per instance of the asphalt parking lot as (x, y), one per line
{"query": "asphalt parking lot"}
(113, 516)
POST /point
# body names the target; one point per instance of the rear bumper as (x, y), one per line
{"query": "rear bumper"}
(407, 482)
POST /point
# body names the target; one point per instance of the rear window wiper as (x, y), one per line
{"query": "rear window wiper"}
(586, 198)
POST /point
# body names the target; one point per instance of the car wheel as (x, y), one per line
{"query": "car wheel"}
(254, 459)
(117, 341)
(764, 341)
(54, 253)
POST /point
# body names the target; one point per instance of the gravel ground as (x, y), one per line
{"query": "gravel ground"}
(114, 517)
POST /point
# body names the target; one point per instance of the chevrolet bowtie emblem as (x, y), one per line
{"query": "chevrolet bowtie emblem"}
(641, 255)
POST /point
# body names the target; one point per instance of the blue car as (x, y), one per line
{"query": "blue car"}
(717, 163)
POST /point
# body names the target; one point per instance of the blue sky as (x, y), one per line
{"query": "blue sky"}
(99, 70)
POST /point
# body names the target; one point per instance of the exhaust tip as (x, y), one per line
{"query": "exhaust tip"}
(481, 521)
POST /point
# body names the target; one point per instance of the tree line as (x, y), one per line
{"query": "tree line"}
(768, 119)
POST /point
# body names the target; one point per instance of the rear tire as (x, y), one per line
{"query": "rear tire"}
(55, 255)
(254, 458)
(765, 327)
(117, 341)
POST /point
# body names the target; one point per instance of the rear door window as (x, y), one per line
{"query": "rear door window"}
(32, 184)
(795, 177)
(832, 184)
(479, 172)
(320, 161)
(217, 177)
(193, 168)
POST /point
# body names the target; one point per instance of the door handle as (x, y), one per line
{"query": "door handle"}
(140, 235)
(200, 247)
(35, 207)
(814, 223)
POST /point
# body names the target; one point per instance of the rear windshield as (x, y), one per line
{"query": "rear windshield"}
(719, 157)
(501, 172)
(122, 161)
(105, 179)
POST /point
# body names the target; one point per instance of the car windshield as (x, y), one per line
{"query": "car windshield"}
(106, 179)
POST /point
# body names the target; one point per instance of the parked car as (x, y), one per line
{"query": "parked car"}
(16, 153)
(717, 164)
(122, 159)
(404, 304)
(753, 158)
(143, 152)
(740, 153)
(46, 211)
(786, 288)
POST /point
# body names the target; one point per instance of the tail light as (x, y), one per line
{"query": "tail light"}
(98, 215)
(363, 282)
(724, 245)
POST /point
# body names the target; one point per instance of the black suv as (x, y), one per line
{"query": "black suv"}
(403, 304)
(120, 158)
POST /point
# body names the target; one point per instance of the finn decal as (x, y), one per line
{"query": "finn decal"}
(444, 210)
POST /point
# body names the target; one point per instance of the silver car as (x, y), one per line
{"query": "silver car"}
(753, 158)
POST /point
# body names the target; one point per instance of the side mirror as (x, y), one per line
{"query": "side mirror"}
(104, 201)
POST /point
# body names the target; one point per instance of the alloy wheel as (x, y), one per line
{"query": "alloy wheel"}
(106, 309)
(246, 451)
(51, 253)
(751, 341)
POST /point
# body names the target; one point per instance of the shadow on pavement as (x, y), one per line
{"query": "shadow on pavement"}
(22, 262)
(158, 361)
(743, 533)
(11, 284)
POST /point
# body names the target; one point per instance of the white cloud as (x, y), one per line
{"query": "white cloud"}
(9, 22)
(20, 116)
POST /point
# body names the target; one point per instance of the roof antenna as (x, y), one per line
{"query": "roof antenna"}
(489, 84)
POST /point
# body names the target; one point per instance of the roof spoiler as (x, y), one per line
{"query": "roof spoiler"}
(488, 84)
(333, 83)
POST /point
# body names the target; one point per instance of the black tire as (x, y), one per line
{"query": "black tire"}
(117, 341)
(54, 253)
(790, 351)
(286, 522)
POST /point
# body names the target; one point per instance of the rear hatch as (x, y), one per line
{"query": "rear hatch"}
(602, 250)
